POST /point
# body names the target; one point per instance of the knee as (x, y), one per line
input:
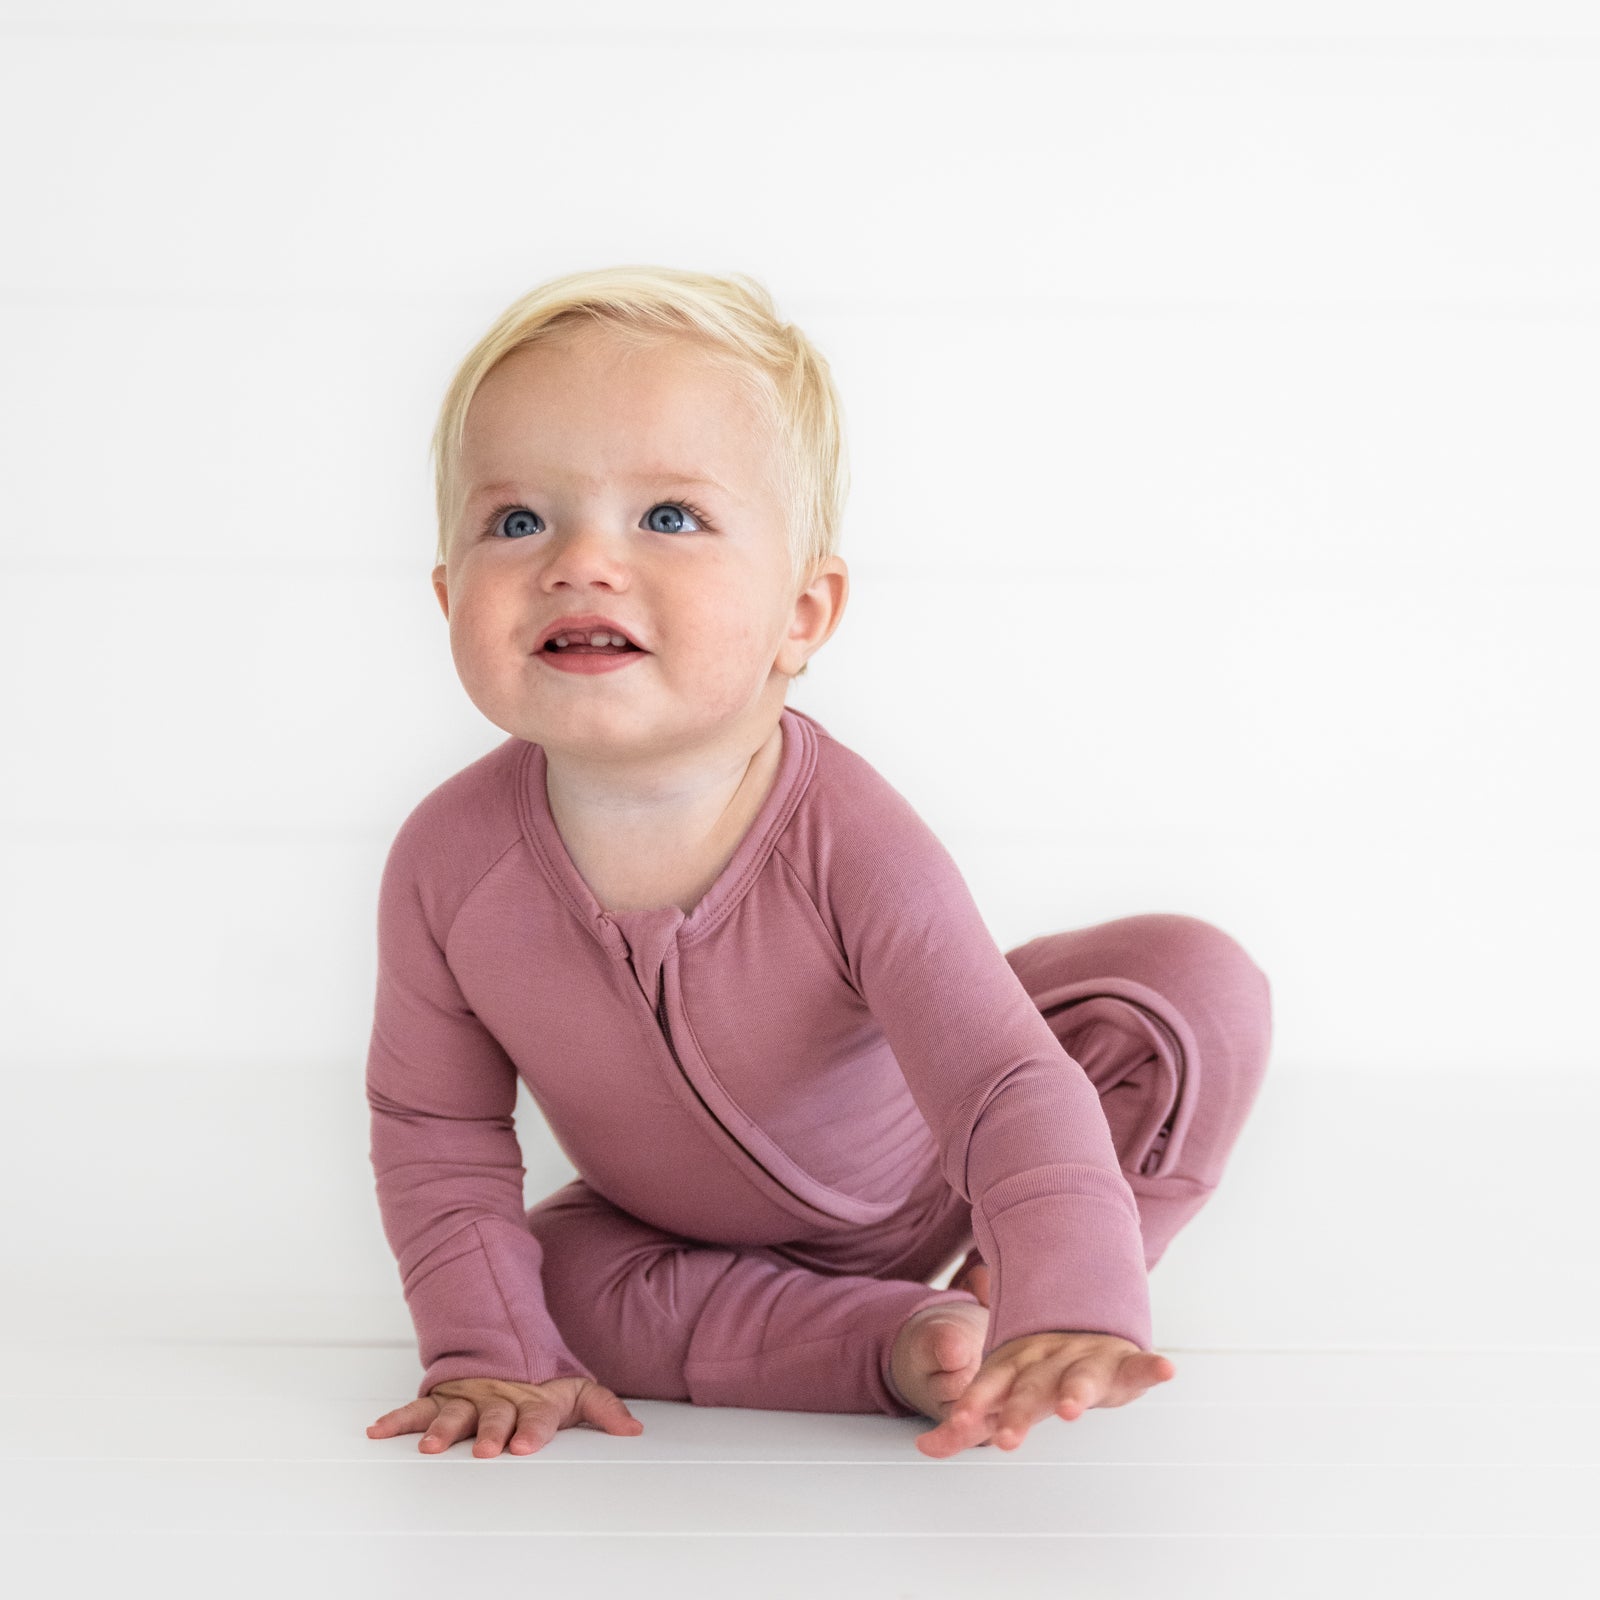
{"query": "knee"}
(1192, 944)
(1210, 976)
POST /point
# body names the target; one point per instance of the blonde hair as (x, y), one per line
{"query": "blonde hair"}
(735, 321)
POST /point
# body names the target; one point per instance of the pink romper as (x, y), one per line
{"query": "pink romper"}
(789, 1109)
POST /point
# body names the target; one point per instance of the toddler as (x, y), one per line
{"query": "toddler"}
(745, 984)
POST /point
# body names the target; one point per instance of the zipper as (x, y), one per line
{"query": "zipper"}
(666, 1033)
(661, 1012)
(1152, 1161)
(665, 1027)
(1158, 1145)
(812, 1208)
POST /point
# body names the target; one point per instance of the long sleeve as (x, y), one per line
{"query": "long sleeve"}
(1020, 1129)
(444, 1151)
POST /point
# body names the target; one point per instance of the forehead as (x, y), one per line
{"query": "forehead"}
(662, 477)
(587, 410)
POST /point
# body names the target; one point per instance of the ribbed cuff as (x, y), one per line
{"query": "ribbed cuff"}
(1062, 1262)
(479, 1311)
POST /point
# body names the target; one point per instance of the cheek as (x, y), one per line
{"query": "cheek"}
(725, 649)
(725, 615)
(483, 608)
(483, 630)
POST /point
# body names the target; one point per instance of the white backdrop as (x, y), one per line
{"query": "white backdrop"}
(1220, 385)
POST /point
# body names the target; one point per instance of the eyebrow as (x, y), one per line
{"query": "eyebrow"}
(483, 491)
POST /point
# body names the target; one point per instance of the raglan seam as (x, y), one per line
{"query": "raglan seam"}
(476, 884)
(822, 921)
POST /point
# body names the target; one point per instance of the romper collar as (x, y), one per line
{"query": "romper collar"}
(655, 927)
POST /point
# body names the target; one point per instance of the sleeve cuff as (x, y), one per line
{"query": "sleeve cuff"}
(480, 1313)
(1062, 1263)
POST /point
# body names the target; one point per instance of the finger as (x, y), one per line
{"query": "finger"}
(409, 1418)
(1081, 1387)
(1131, 1376)
(1142, 1370)
(537, 1422)
(989, 1387)
(496, 1420)
(455, 1421)
(951, 1437)
(606, 1410)
(1039, 1393)
(956, 1434)
(971, 1418)
(1034, 1396)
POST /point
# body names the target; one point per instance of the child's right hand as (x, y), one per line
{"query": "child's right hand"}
(497, 1409)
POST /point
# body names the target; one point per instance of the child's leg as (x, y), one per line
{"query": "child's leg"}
(657, 1317)
(1172, 1021)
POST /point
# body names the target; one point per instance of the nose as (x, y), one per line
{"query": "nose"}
(586, 552)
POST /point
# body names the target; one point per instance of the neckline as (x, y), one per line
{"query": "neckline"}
(795, 763)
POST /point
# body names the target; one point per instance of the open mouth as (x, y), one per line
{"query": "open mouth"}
(589, 649)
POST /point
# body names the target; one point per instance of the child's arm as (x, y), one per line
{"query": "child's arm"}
(1021, 1132)
(444, 1150)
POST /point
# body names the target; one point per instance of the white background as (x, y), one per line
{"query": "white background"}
(1222, 406)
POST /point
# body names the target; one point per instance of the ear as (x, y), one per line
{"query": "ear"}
(441, 591)
(818, 609)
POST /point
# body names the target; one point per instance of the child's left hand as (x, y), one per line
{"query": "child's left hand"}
(1044, 1374)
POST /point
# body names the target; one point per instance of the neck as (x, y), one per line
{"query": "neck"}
(682, 795)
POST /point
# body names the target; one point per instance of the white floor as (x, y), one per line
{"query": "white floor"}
(245, 1470)
(1388, 1378)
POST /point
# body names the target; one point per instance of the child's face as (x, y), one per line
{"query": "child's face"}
(596, 447)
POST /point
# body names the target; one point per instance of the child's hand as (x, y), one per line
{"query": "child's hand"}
(1042, 1374)
(494, 1407)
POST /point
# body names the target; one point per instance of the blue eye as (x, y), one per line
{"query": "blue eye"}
(516, 517)
(515, 514)
(674, 506)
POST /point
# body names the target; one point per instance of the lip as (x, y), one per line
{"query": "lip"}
(583, 622)
(588, 665)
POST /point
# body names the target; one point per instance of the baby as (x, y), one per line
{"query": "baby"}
(746, 986)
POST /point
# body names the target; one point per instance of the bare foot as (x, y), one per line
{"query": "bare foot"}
(937, 1353)
(975, 1280)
